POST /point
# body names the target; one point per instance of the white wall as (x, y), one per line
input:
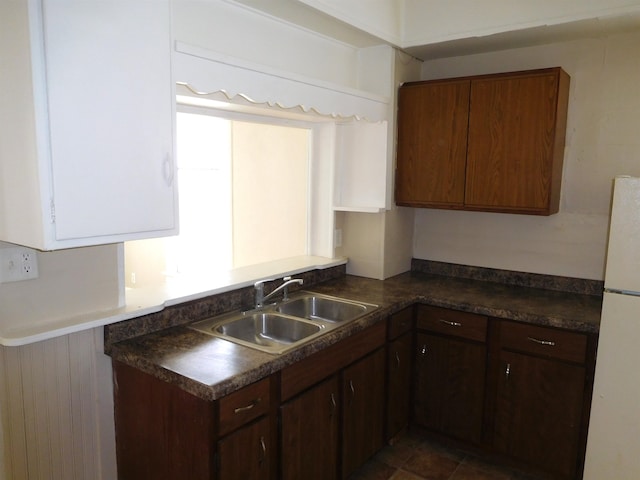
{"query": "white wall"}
(378, 245)
(70, 283)
(602, 141)
(247, 35)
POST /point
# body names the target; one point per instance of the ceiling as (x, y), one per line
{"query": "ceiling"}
(308, 18)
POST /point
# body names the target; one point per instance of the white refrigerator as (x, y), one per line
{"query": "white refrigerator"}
(613, 443)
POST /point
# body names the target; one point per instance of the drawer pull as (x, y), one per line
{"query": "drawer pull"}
(451, 324)
(507, 372)
(542, 342)
(397, 360)
(263, 449)
(247, 407)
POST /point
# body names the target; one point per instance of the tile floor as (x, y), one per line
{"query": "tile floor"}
(411, 457)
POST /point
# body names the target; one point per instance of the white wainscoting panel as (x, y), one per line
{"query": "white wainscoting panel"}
(57, 409)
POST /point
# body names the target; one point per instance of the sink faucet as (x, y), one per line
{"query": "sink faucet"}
(259, 286)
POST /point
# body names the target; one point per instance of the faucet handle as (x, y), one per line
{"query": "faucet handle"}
(260, 283)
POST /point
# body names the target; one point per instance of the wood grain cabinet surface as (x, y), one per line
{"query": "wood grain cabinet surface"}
(399, 370)
(489, 143)
(310, 426)
(543, 392)
(513, 389)
(450, 371)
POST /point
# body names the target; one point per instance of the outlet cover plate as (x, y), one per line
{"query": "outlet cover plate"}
(18, 263)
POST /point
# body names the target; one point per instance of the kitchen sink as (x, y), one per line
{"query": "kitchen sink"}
(314, 306)
(279, 327)
(266, 331)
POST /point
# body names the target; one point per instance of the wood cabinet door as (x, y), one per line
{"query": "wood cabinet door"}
(512, 142)
(162, 432)
(449, 386)
(247, 453)
(398, 384)
(432, 143)
(538, 411)
(309, 441)
(363, 388)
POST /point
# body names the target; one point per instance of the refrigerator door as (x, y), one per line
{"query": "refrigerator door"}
(623, 257)
(613, 443)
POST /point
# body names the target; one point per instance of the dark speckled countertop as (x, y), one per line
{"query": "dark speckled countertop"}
(210, 368)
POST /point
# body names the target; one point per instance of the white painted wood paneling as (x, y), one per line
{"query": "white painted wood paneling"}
(57, 409)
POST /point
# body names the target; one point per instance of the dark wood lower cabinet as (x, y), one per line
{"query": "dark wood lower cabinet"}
(399, 361)
(363, 391)
(504, 387)
(162, 432)
(450, 386)
(309, 433)
(247, 454)
(539, 412)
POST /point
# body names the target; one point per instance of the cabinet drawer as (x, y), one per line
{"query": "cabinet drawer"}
(559, 344)
(243, 406)
(400, 322)
(301, 375)
(452, 322)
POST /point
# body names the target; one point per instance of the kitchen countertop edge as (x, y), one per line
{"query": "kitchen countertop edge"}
(211, 368)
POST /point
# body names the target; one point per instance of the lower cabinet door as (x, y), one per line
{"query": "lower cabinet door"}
(247, 453)
(539, 410)
(449, 387)
(399, 384)
(363, 389)
(309, 440)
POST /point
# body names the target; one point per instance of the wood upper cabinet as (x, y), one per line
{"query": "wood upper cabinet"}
(543, 390)
(490, 143)
(432, 143)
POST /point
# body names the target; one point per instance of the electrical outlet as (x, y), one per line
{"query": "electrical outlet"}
(18, 263)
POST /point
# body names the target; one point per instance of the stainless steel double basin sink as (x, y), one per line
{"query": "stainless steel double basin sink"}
(282, 326)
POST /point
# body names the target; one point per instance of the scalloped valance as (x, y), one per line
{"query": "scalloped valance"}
(205, 73)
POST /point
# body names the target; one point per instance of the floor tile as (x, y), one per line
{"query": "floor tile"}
(431, 465)
(410, 456)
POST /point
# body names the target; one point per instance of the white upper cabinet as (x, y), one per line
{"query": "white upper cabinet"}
(360, 183)
(87, 122)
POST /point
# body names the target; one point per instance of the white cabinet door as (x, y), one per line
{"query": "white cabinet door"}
(110, 111)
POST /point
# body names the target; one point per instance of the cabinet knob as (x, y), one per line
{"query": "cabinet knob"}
(397, 359)
(423, 350)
